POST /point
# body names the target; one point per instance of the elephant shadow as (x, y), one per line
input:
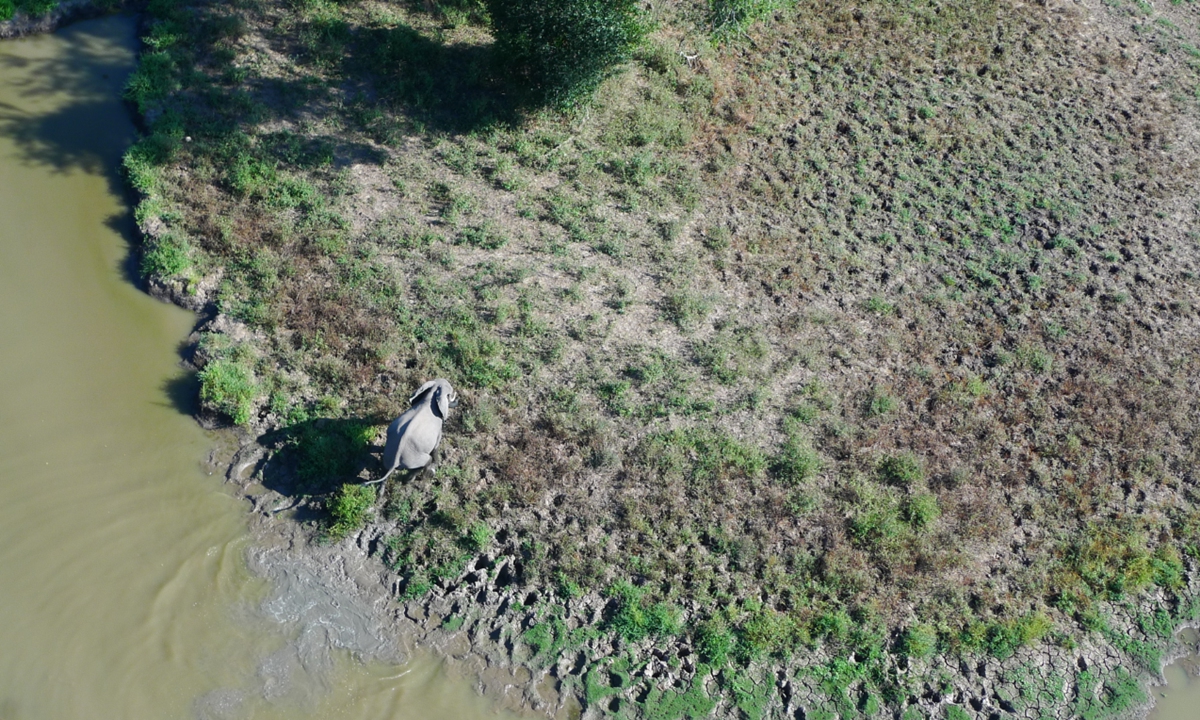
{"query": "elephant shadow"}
(316, 457)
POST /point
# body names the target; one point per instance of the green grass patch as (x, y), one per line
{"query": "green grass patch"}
(349, 509)
(229, 386)
(634, 618)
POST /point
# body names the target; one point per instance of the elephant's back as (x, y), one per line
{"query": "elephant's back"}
(395, 436)
(419, 437)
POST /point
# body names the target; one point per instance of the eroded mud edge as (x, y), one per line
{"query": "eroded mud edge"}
(488, 615)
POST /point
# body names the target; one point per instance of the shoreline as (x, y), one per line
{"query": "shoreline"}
(67, 12)
(482, 639)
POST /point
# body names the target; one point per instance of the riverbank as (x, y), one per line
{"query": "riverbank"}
(531, 651)
(33, 18)
(832, 360)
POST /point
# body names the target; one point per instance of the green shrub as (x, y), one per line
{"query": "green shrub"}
(1119, 693)
(921, 510)
(33, 8)
(417, 586)
(903, 469)
(833, 625)
(875, 521)
(228, 386)
(329, 450)
(685, 308)
(1001, 639)
(633, 620)
(879, 306)
(1033, 627)
(478, 537)
(879, 403)
(1168, 568)
(701, 455)
(796, 463)
(919, 640)
(349, 509)
(729, 16)
(154, 79)
(563, 49)
(166, 256)
(713, 641)
(764, 633)
(954, 712)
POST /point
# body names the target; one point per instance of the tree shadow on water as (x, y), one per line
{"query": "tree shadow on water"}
(63, 109)
(183, 392)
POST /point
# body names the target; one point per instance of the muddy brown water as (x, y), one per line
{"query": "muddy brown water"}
(124, 591)
(1179, 699)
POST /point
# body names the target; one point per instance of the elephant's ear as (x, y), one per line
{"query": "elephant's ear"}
(421, 390)
(443, 402)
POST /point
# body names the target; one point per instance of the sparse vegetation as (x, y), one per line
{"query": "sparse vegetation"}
(797, 328)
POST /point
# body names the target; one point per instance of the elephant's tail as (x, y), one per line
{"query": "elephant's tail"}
(385, 477)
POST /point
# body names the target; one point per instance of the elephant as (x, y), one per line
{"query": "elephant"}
(413, 437)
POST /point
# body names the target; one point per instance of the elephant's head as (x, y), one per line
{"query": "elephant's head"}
(439, 394)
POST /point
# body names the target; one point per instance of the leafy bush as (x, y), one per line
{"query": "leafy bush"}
(633, 620)
(903, 469)
(33, 8)
(154, 79)
(349, 509)
(954, 712)
(764, 633)
(1001, 639)
(685, 308)
(329, 450)
(834, 625)
(713, 641)
(875, 522)
(730, 16)
(564, 48)
(417, 586)
(701, 455)
(166, 256)
(921, 510)
(228, 386)
(478, 537)
(919, 641)
(796, 463)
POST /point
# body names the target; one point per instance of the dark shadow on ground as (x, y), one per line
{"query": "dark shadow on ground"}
(444, 88)
(316, 457)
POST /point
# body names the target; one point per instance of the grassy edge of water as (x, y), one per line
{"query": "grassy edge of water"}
(754, 633)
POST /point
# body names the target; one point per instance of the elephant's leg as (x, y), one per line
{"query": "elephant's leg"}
(422, 461)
